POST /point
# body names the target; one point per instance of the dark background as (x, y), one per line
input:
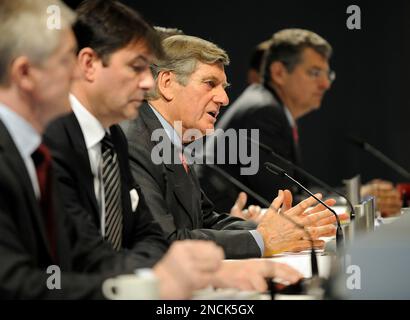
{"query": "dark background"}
(370, 95)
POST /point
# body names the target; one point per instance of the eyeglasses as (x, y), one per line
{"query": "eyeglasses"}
(319, 73)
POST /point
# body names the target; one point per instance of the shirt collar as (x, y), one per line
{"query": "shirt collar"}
(25, 137)
(92, 129)
(171, 133)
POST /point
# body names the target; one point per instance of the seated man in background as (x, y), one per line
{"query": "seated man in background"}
(189, 90)
(294, 77)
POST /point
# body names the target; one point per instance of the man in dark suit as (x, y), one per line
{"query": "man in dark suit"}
(294, 78)
(114, 73)
(169, 189)
(36, 233)
(189, 91)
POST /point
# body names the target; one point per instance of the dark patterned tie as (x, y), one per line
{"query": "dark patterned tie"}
(42, 161)
(112, 193)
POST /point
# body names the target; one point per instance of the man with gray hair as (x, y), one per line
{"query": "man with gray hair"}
(36, 69)
(189, 91)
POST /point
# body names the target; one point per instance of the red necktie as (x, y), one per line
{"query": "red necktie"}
(42, 162)
(295, 134)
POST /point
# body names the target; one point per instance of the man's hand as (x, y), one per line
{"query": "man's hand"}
(388, 198)
(287, 205)
(253, 213)
(187, 266)
(280, 234)
(251, 274)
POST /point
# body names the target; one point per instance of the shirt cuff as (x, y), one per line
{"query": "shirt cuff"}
(259, 240)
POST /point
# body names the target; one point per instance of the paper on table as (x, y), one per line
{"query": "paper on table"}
(301, 262)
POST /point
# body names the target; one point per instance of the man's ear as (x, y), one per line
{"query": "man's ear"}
(278, 72)
(165, 83)
(87, 60)
(22, 73)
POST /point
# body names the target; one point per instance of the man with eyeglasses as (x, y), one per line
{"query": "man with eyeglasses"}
(296, 76)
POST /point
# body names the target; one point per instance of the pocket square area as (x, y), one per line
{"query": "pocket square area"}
(134, 199)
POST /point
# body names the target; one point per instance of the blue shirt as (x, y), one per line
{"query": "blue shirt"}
(26, 139)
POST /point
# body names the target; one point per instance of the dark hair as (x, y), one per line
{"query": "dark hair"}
(108, 25)
(287, 46)
(255, 62)
(167, 32)
(256, 59)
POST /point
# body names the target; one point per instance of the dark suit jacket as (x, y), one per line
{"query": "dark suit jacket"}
(140, 233)
(175, 197)
(256, 108)
(84, 259)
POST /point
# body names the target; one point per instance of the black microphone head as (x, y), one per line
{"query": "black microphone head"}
(274, 169)
(356, 141)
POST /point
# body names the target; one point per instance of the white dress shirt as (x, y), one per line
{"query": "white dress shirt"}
(289, 116)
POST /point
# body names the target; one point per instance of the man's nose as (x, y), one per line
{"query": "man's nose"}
(222, 97)
(147, 82)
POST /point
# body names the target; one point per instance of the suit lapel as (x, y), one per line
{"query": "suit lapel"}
(82, 162)
(19, 169)
(182, 189)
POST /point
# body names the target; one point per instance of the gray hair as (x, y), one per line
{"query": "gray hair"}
(287, 46)
(25, 30)
(182, 53)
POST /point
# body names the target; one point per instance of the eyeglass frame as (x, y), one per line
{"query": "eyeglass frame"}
(316, 73)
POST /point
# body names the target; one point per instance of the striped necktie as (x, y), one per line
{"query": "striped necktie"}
(112, 193)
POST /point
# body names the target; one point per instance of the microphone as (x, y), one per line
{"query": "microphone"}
(304, 173)
(280, 172)
(380, 156)
(266, 203)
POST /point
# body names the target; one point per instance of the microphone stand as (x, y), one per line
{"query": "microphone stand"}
(303, 172)
(240, 185)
